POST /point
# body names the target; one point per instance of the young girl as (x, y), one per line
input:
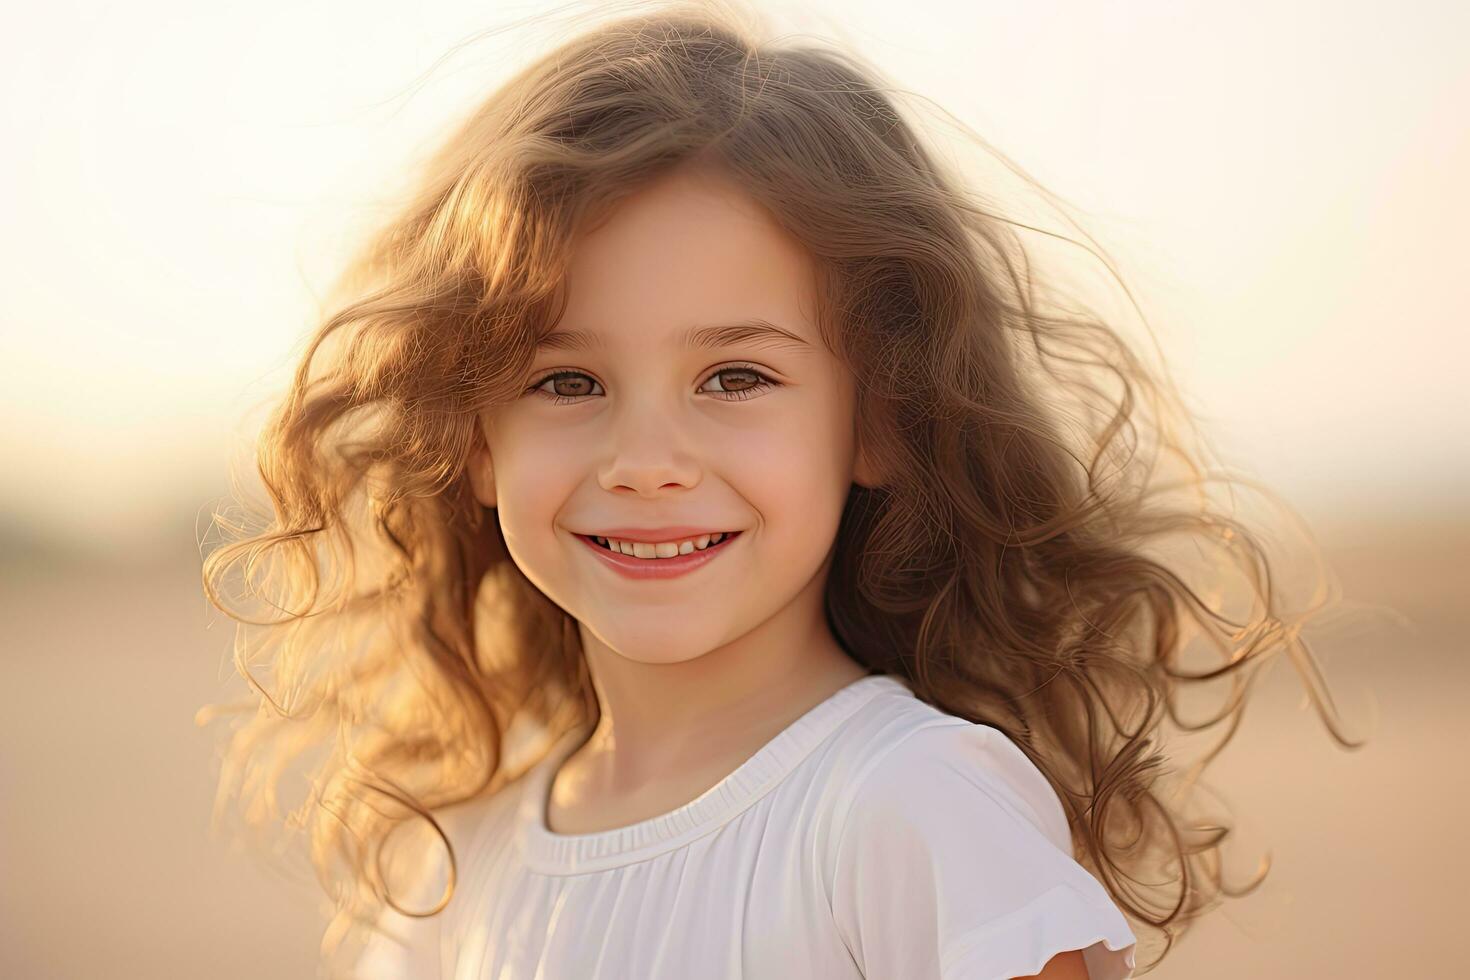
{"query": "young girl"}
(697, 553)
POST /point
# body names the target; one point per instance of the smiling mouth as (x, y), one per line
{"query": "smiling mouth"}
(647, 552)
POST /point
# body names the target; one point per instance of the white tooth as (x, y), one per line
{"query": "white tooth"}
(662, 549)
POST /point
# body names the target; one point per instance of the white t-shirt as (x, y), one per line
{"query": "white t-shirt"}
(875, 837)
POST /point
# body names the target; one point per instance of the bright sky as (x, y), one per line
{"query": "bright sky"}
(1284, 185)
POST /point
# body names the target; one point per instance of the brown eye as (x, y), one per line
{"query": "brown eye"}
(747, 381)
(572, 384)
(568, 386)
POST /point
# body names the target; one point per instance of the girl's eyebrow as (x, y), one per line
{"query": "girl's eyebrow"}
(755, 331)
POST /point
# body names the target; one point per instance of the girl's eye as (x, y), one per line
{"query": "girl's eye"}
(748, 382)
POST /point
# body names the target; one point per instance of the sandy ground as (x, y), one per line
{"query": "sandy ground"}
(110, 869)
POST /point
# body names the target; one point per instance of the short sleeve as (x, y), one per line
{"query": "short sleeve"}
(954, 862)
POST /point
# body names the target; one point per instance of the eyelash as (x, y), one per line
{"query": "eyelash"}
(728, 396)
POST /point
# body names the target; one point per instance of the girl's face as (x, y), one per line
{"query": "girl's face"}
(673, 412)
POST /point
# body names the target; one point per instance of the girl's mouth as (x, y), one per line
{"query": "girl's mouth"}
(631, 566)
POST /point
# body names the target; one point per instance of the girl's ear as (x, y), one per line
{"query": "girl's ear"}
(865, 472)
(482, 473)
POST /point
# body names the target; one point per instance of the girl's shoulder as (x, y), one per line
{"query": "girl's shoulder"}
(900, 745)
(927, 758)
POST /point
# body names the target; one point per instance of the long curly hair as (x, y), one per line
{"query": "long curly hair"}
(1015, 567)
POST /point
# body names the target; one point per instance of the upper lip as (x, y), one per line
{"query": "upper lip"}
(650, 534)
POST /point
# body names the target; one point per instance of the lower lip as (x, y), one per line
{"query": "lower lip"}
(643, 568)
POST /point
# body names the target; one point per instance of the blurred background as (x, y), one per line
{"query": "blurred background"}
(1282, 186)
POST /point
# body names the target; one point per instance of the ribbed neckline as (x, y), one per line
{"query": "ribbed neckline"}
(553, 853)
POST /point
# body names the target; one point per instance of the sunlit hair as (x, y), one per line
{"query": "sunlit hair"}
(1022, 565)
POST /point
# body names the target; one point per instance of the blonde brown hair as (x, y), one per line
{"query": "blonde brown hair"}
(1012, 566)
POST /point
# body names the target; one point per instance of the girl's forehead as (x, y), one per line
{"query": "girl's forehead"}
(674, 311)
(687, 235)
(688, 263)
